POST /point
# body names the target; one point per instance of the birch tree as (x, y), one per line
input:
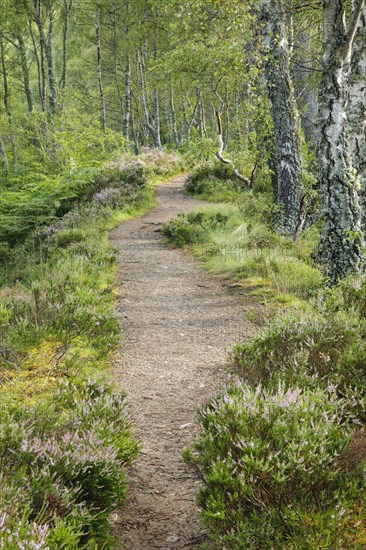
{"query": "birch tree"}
(341, 239)
(287, 165)
(357, 110)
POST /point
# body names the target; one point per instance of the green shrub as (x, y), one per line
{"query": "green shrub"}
(307, 350)
(63, 462)
(269, 459)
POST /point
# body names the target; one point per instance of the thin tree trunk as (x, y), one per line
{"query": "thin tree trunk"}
(287, 158)
(148, 125)
(40, 69)
(341, 239)
(25, 72)
(128, 98)
(6, 98)
(3, 155)
(51, 73)
(103, 112)
(46, 52)
(156, 100)
(173, 117)
(134, 135)
(67, 11)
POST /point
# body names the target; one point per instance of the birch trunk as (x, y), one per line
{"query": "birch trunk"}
(128, 98)
(341, 240)
(156, 101)
(173, 118)
(287, 158)
(357, 111)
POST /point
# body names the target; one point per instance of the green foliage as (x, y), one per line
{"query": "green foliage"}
(313, 350)
(270, 460)
(235, 241)
(63, 465)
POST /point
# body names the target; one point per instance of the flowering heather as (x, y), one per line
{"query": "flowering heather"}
(107, 197)
(261, 451)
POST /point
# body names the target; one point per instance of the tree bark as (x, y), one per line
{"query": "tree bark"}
(341, 239)
(357, 111)
(287, 165)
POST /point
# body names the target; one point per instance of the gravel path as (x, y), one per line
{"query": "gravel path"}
(177, 324)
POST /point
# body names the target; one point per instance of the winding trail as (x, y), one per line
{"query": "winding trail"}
(177, 324)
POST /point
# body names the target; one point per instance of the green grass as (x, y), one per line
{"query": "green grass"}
(237, 245)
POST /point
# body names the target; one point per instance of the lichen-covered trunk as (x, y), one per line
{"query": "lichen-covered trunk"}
(341, 242)
(357, 111)
(287, 165)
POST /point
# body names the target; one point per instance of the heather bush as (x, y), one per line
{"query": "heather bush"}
(310, 349)
(63, 462)
(270, 459)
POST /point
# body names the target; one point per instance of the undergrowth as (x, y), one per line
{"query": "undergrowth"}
(282, 448)
(235, 239)
(65, 437)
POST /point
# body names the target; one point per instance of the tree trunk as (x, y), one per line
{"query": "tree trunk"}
(341, 240)
(173, 118)
(46, 52)
(156, 101)
(67, 11)
(148, 125)
(25, 72)
(103, 112)
(3, 155)
(6, 98)
(128, 98)
(357, 111)
(40, 69)
(287, 158)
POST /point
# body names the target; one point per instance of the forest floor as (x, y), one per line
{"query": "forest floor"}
(178, 324)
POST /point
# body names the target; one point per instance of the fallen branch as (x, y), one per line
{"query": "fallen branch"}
(220, 156)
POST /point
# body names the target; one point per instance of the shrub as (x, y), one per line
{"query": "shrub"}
(309, 350)
(268, 459)
(63, 462)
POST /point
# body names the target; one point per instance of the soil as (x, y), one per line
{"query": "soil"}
(178, 324)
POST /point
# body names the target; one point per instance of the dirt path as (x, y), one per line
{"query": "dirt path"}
(178, 322)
